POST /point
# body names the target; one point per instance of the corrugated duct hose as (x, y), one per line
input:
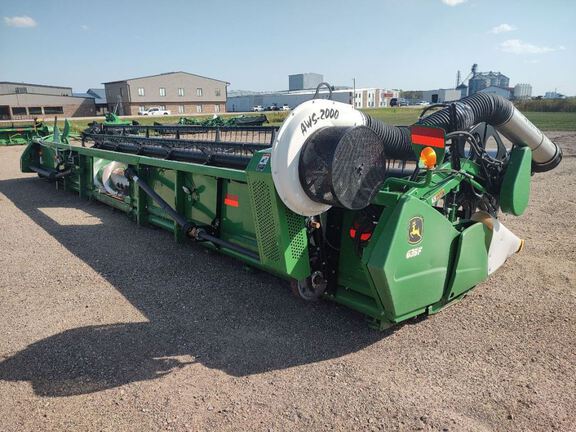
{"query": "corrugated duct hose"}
(344, 166)
(478, 108)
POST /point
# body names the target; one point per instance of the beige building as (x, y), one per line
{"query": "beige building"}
(21, 101)
(374, 97)
(180, 92)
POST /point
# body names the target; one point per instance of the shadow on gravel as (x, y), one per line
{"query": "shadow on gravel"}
(201, 307)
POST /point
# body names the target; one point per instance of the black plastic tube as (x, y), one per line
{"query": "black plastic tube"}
(463, 115)
(185, 225)
(203, 235)
(177, 217)
(48, 173)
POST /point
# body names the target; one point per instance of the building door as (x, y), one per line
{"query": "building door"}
(435, 98)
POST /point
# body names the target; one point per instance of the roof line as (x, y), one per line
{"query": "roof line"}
(165, 73)
(47, 94)
(36, 85)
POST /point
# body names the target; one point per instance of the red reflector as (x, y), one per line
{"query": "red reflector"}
(231, 200)
(427, 136)
(363, 236)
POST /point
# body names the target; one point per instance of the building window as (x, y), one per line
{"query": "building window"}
(198, 108)
(121, 92)
(53, 110)
(18, 111)
(35, 110)
(217, 92)
(140, 91)
(180, 91)
(180, 109)
(162, 91)
(20, 90)
(216, 108)
(141, 108)
(163, 107)
(198, 92)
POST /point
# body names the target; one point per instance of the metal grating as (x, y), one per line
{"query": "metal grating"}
(265, 223)
(296, 233)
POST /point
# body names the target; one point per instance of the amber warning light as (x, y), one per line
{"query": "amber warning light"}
(429, 144)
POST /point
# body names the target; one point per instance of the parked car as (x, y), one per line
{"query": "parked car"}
(273, 107)
(153, 111)
(285, 108)
(398, 102)
(257, 108)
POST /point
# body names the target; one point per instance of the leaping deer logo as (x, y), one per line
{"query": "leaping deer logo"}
(415, 229)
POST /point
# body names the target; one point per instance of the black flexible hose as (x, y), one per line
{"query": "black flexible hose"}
(478, 108)
(396, 139)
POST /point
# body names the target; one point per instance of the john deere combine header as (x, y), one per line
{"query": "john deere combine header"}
(394, 222)
(22, 133)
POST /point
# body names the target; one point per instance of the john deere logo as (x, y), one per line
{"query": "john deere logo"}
(415, 230)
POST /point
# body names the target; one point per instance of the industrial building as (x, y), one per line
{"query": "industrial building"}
(482, 80)
(554, 95)
(180, 92)
(441, 95)
(500, 91)
(522, 91)
(247, 101)
(99, 96)
(21, 101)
(374, 97)
(304, 81)
(302, 88)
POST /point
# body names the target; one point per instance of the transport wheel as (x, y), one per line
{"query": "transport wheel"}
(311, 288)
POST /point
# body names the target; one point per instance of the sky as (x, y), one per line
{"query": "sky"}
(256, 44)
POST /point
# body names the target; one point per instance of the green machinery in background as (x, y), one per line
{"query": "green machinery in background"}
(22, 133)
(394, 222)
(216, 120)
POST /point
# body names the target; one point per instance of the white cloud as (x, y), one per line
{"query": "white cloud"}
(516, 46)
(502, 28)
(84, 27)
(453, 2)
(20, 21)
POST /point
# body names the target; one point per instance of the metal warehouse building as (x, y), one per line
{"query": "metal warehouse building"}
(442, 95)
(179, 92)
(302, 88)
(27, 101)
(245, 102)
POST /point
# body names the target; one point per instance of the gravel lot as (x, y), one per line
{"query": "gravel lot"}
(105, 326)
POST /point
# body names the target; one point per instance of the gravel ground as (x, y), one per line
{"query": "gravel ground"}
(105, 326)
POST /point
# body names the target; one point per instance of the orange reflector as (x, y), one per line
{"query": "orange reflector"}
(231, 200)
(428, 157)
(428, 136)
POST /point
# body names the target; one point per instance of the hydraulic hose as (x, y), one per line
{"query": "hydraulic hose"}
(187, 227)
(480, 107)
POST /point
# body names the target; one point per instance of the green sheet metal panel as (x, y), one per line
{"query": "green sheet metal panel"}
(281, 234)
(237, 222)
(471, 263)
(515, 190)
(410, 260)
(200, 195)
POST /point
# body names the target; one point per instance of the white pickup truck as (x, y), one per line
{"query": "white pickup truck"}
(153, 111)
